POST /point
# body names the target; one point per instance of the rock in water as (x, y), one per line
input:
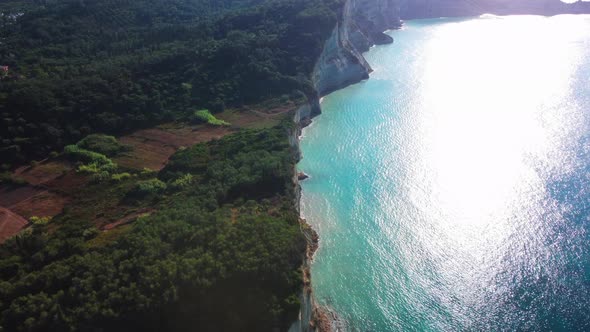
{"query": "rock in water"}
(302, 176)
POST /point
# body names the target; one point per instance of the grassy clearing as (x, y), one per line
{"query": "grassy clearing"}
(204, 116)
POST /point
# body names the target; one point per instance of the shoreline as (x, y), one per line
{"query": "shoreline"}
(341, 65)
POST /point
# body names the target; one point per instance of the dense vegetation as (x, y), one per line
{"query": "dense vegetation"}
(204, 116)
(212, 241)
(221, 249)
(76, 67)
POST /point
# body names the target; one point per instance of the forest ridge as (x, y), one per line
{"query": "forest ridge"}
(210, 237)
(78, 67)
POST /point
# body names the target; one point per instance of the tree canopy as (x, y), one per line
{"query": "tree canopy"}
(221, 252)
(78, 67)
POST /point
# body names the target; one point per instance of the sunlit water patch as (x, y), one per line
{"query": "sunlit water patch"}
(451, 191)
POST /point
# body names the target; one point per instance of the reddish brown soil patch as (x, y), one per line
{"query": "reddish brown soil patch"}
(68, 184)
(10, 224)
(10, 195)
(153, 147)
(253, 118)
(45, 204)
(248, 119)
(40, 200)
(44, 172)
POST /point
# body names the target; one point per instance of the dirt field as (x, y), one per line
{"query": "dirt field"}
(45, 204)
(53, 184)
(253, 118)
(19, 204)
(67, 184)
(10, 195)
(43, 172)
(10, 224)
(153, 147)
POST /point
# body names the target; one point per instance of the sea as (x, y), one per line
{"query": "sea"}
(451, 190)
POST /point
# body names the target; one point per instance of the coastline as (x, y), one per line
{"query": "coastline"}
(342, 64)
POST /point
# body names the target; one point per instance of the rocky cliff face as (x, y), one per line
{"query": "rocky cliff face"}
(341, 63)
(361, 25)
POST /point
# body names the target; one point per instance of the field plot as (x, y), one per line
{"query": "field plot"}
(151, 148)
(10, 224)
(44, 172)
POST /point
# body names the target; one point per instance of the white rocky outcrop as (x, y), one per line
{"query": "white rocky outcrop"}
(361, 25)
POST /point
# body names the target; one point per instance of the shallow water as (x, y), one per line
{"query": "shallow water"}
(451, 191)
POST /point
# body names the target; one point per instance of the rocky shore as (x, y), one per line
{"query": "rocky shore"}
(341, 64)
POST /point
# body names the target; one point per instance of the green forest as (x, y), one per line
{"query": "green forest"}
(222, 250)
(215, 240)
(76, 67)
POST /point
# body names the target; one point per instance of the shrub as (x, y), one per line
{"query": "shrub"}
(79, 154)
(89, 169)
(151, 186)
(204, 116)
(94, 162)
(120, 177)
(101, 176)
(90, 233)
(183, 181)
(103, 144)
(146, 171)
(38, 221)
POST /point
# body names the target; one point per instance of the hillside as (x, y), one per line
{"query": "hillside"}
(79, 67)
(186, 218)
(148, 151)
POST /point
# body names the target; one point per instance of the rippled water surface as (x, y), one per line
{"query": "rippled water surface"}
(451, 191)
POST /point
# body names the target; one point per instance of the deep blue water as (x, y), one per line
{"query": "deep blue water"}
(451, 191)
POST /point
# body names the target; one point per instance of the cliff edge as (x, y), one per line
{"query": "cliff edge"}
(360, 26)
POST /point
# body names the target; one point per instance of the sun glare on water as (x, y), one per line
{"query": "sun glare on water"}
(475, 153)
(493, 117)
(449, 190)
(483, 135)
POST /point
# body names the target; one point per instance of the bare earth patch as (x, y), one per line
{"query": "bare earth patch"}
(44, 172)
(53, 183)
(10, 224)
(10, 195)
(67, 184)
(153, 147)
(249, 119)
(45, 204)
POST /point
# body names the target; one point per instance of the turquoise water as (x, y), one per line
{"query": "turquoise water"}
(451, 191)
